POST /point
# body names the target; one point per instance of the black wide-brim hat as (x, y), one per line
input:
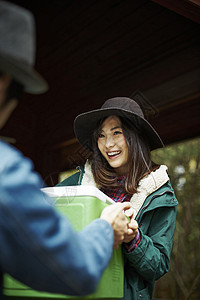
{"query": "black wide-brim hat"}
(85, 123)
(17, 47)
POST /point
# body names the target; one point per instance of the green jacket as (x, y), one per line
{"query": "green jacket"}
(151, 259)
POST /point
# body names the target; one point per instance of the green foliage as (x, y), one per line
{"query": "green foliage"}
(183, 279)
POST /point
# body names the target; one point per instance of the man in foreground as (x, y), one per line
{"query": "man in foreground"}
(38, 246)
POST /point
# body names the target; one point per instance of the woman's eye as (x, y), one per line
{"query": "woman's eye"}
(117, 132)
(100, 135)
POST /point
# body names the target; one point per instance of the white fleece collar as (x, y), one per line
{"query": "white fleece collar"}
(147, 185)
(88, 178)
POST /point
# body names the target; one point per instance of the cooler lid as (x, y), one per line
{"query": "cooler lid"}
(76, 190)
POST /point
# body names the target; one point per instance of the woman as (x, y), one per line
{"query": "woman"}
(121, 140)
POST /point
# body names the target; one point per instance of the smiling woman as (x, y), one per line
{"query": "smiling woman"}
(117, 141)
(121, 140)
(112, 144)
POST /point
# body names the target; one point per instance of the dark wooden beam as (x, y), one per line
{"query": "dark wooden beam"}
(187, 8)
(180, 121)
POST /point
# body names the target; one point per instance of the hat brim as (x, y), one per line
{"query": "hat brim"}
(85, 123)
(32, 81)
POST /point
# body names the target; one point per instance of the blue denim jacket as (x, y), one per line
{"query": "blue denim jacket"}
(37, 245)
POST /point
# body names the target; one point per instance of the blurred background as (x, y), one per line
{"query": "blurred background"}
(183, 279)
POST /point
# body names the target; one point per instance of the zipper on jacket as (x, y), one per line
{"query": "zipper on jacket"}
(80, 171)
(150, 200)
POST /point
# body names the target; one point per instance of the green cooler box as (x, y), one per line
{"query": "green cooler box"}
(81, 205)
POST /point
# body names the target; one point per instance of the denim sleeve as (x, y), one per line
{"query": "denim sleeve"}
(38, 245)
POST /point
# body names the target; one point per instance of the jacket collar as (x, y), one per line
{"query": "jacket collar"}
(88, 178)
(147, 185)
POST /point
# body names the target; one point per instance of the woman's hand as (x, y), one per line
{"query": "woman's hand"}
(132, 231)
(114, 214)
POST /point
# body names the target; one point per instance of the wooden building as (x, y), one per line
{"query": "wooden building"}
(91, 50)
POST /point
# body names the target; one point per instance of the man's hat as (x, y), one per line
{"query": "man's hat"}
(85, 123)
(17, 47)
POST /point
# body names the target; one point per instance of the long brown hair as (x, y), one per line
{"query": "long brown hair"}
(139, 158)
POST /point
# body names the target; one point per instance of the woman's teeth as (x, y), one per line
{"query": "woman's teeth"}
(110, 154)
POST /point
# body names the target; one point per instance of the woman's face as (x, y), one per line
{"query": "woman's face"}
(112, 144)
